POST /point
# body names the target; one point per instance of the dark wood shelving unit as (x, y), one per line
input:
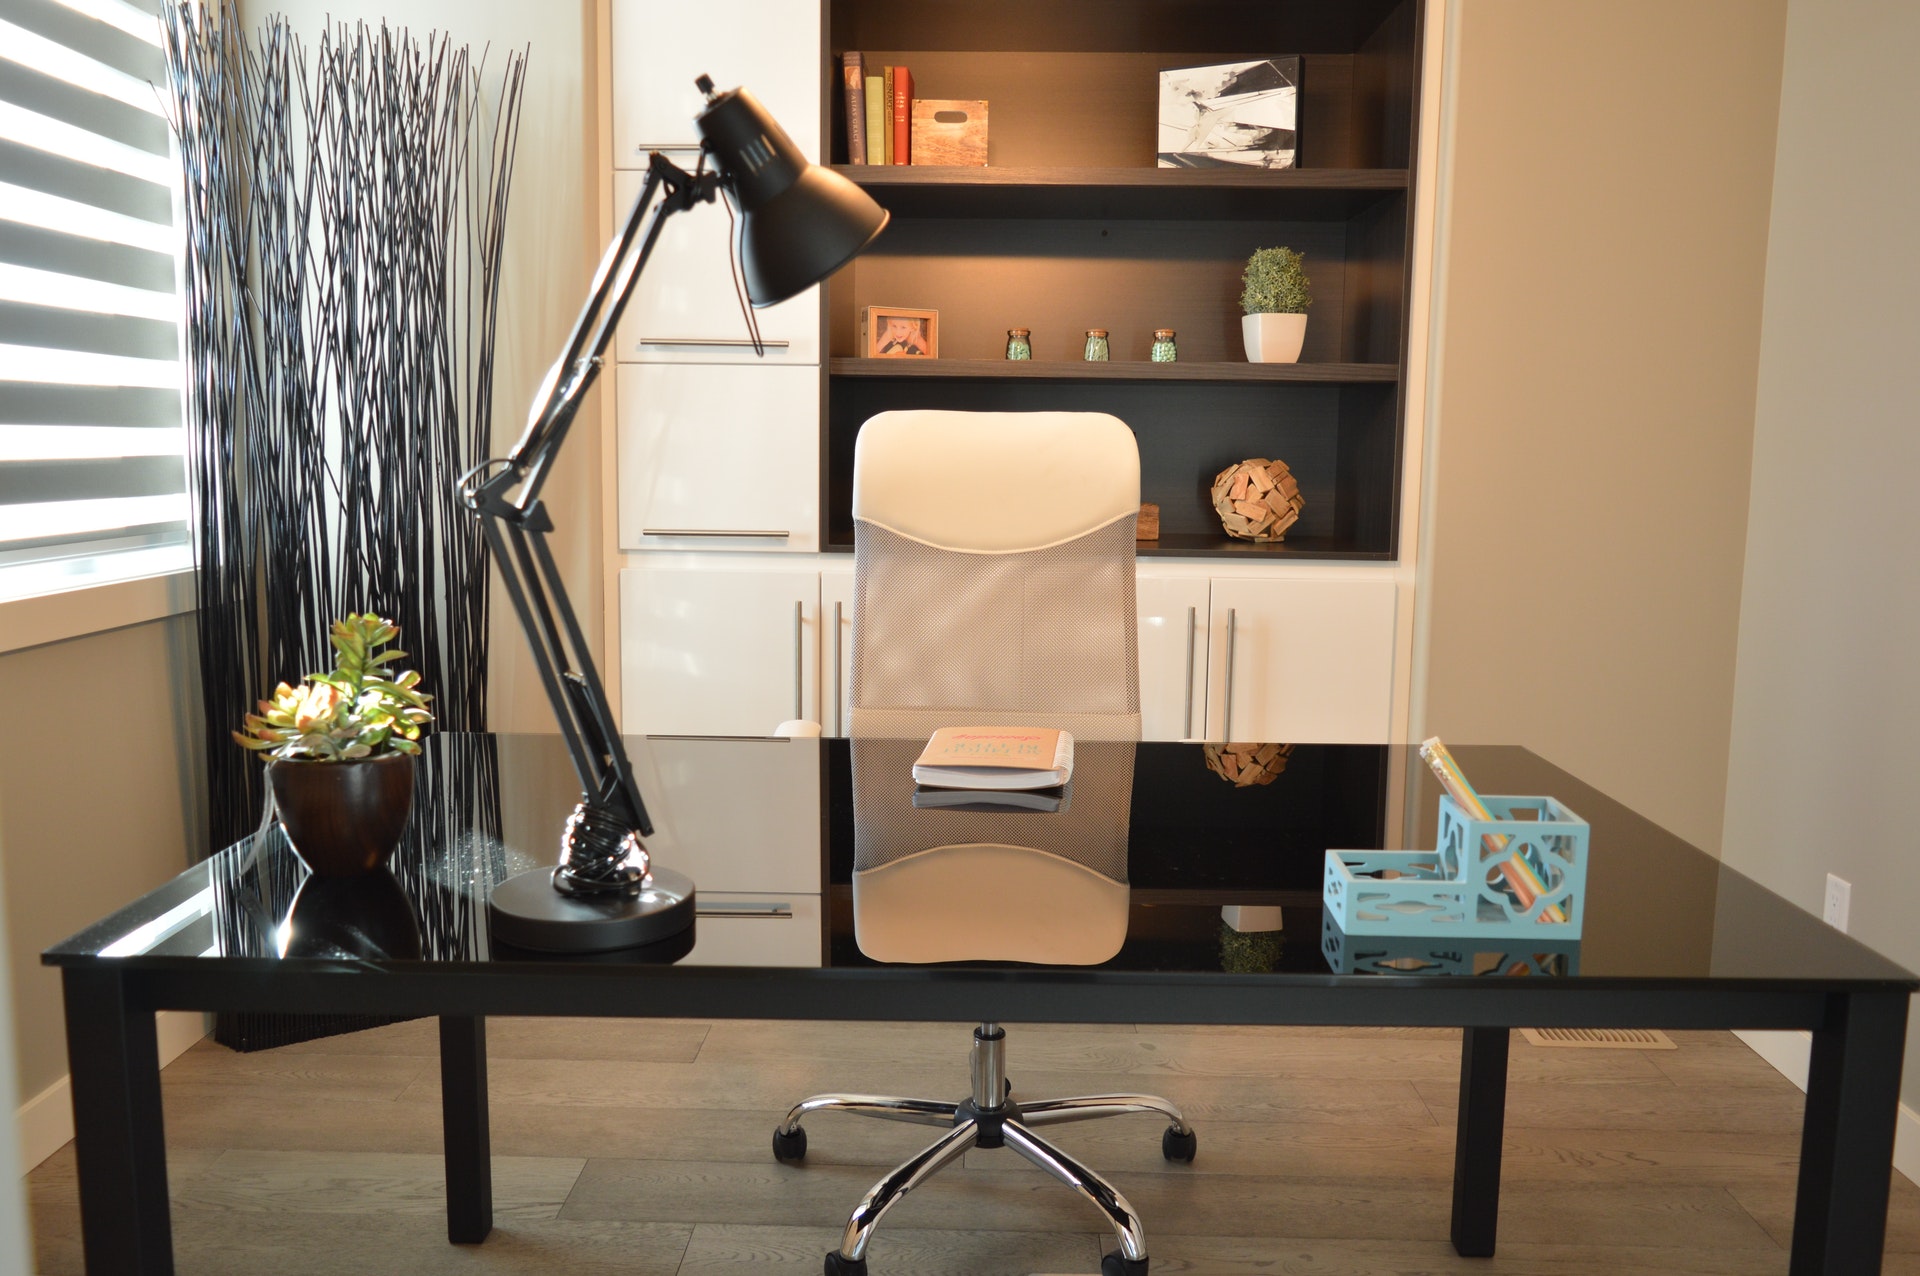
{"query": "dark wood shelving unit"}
(1073, 226)
(1132, 192)
(1114, 370)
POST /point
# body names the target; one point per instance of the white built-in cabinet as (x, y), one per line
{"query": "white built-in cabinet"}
(731, 649)
(731, 620)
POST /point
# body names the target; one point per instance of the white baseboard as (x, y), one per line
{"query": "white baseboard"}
(45, 1122)
(1788, 1053)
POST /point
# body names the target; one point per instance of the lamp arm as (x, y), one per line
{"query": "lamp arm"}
(505, 497)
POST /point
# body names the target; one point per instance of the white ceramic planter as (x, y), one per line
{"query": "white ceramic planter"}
(1273, 338)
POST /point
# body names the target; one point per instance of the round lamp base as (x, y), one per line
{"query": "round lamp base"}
(527, 912)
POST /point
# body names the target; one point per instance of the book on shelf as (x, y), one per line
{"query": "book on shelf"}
(996, 758)
(875, 104)
(902, 115)
(853, 74)
(989, 802)
(886, 116)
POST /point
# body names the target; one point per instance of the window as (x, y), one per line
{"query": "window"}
(92, 438)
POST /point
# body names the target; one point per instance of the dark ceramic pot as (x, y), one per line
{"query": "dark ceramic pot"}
(368, 917)
(343, 818)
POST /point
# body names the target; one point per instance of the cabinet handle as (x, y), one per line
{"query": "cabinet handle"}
(742, 908)
(836, 669)
(1188, 733)
(730, 342)
(1226, 736)
(799, 624)
(644, 148)
(713, 531)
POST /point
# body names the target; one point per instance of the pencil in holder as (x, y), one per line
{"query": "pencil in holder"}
(1525, 867)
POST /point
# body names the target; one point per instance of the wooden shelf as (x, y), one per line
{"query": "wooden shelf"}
(1219, 545)
(1119, 370)
(1291, 194)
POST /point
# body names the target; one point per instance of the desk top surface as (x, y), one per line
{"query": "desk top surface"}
(486, 807)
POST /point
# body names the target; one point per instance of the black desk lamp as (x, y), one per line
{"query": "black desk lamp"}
(798, 223)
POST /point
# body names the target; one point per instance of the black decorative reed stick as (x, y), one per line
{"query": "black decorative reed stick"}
(344, 231)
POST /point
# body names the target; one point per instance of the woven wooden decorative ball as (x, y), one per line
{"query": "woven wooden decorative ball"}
(1257, 500)
(1246, 765)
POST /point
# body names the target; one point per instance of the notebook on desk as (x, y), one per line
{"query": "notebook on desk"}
(1005, 758)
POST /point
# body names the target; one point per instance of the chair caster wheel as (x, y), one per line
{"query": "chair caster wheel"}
(839, 1266)
(1179, 1147)
(1114, 1265)
(790, 1147)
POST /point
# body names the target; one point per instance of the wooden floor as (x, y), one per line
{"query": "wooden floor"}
(642, 1149)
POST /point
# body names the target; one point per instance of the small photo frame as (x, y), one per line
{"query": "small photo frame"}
(897, 332)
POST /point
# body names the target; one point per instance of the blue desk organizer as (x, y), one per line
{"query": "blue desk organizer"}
(1449, 955)
(1454, 889)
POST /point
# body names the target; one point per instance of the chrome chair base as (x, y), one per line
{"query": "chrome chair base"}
(990, 1117)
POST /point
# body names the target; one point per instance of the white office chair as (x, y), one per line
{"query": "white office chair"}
(993, 585)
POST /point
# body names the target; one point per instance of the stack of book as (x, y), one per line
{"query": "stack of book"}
(879, 112)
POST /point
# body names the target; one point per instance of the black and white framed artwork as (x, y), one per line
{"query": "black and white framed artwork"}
(1243, 114)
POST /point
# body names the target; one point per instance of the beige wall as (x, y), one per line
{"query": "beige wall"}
(1827, 693)
(1603, 239)
(552, 246)
(100, 801)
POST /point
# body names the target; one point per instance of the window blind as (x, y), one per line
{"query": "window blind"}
(92, 440)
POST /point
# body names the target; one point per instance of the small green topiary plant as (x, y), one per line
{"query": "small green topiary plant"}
(360, 710)
(1275, 283)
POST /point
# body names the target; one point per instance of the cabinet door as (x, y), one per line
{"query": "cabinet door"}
(719, 458)
(706, 651)
(836, 656)
(1173, 657)
(772, 48)
(1301, 660)
(685, 308)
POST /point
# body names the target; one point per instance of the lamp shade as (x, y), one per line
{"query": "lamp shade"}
(798, 222)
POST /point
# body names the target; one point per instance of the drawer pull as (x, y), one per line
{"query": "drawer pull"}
(837, 725)
(712, 531)
(799, 631)
(1226, 734)
(647, 148)
(1188, 733)
(729, 342)
(747, 908)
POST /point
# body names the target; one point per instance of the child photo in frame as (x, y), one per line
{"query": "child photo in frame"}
(896, 332)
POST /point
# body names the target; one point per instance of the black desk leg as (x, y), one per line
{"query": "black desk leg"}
(113, 1059)
(463, 1118)
(1476, 1148)
(1846, 1145)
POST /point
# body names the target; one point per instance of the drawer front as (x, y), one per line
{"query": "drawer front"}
(772, 48)
(755, 930)
(719, 458)
(685, 309)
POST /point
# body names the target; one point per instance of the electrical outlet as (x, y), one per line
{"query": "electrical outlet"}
(1839, 898)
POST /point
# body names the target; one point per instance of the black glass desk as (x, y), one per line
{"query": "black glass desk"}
(1672, 939)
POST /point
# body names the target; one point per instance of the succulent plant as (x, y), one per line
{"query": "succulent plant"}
(1275, 283)
(360, 710)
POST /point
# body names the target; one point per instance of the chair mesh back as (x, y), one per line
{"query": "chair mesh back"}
(1028, 637)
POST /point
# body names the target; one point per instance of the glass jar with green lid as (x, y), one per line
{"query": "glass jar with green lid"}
(1018, 345)
(1096, 346)
(1163, 351)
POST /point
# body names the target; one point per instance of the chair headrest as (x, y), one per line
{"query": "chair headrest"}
(995, 482)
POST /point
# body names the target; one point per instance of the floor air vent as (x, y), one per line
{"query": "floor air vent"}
(1600, 1038)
